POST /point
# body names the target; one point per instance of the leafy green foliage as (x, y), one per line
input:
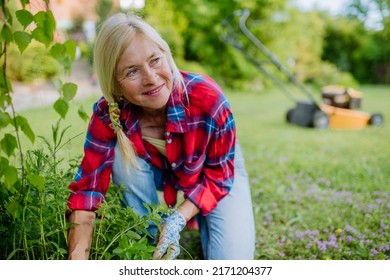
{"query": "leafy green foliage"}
(22, 39)
(8, 144)
(35, 206)
(24, 17)
(31, 185)
(33, 64)
(121, 233)
(45, 27)
(35, 60)
(34, 225)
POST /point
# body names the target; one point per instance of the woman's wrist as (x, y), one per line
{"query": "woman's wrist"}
(188, 209)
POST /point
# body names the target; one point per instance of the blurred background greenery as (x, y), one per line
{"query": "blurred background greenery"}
(318, 46)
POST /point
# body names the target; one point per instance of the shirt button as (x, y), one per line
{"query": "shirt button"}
(173, 165)
(167, 133)
(169, 141)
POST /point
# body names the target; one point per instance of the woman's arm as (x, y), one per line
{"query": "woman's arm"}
(80, 234)
(188, 209)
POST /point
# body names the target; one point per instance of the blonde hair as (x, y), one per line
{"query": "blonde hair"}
(114, 36)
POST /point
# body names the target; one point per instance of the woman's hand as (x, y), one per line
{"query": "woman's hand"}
(168, 246)
(80, 234)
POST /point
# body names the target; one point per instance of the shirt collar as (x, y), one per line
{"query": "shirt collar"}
(176, 111)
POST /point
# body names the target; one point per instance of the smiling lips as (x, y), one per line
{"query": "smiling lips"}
(154, 91)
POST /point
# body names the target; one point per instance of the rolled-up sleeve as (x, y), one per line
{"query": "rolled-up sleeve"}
(94, 174)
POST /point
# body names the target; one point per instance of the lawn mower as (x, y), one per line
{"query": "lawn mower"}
(339, 104)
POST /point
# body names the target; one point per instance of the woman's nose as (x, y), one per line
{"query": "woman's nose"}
(149, 76)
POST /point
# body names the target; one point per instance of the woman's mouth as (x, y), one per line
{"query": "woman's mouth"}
(154, 91)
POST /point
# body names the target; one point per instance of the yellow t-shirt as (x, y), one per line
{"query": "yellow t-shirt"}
(159, 144)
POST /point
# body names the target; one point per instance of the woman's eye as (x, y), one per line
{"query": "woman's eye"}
(155, 60)
(131, 72)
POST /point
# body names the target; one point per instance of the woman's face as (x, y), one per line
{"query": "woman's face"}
(144, 75)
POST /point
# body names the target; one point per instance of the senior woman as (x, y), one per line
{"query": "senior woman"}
(158, 128)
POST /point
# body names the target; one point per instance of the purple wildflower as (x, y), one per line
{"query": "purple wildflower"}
(321, 246)
(350, 229)
(383, 225)
(373, 252)
(384, 248)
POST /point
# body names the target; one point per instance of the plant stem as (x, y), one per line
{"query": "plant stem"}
(24, 231)
(21, 157)
(42, 230)
(6, 92)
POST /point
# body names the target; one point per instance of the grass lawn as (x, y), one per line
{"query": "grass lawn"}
(317, 194)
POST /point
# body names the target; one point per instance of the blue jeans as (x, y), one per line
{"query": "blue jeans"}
(228, 232)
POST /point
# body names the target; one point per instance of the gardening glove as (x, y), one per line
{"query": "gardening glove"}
(168, 246)
(80, 234)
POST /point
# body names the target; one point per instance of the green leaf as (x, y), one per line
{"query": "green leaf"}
(5, 119)
(22, 40)
(57, 51)
(8, 15)
(62, 251)
(69, 91)
(14, 208)
(3, 166)
(8, 144)
(133, 235)
(83, 114)
(71, 47)
(6, 34)
(67, 63)
(39, 18)
(61, 107)
(37, 181)
(50, 24)
(5, 100)
(118, 250)
(24, 17)
(25, 2)
(10, 175)
(25, 127)
(46, 24)
(39, 34)
(5, 87)
(58, 83)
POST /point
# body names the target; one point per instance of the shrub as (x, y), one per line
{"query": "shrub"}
(34, 64)
(326, 73)
(33, 225)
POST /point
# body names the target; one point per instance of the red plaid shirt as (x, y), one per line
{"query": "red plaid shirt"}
(200, 140)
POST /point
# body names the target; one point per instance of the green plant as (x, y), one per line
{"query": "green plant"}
(19, 27)
(121, 233)
(325, 73)
(34, 224)
(21, 184)
(34, 64)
